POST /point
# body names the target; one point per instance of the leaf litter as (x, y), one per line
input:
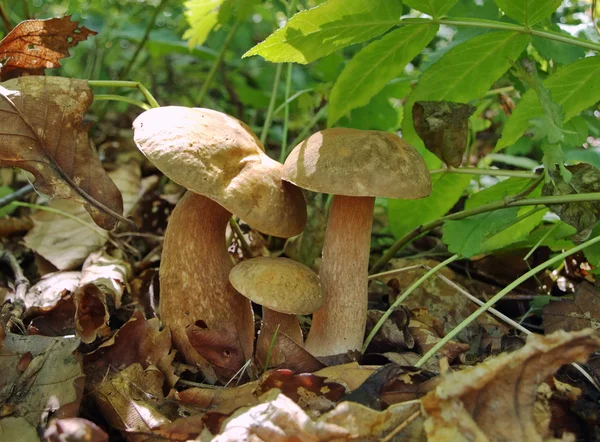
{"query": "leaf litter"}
(88, 357)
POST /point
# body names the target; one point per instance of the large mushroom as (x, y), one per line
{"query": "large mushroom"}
(223, 165)
(355, 166)
(285, 288)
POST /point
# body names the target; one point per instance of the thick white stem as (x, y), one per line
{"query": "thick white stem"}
(194, 276)
(339, 325)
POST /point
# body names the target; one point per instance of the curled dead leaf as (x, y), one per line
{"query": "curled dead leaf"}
(494, 401)
(35, 45)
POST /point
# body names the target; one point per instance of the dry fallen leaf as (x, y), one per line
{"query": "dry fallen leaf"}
(494, 401)
(49, 382)
(574, 314)
(74, 429)
(67, 242)
(35, 45)
(91, 314)
(139, 340)
(42, 132)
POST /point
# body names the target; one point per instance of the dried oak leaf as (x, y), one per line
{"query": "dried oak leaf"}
(139, 340)
(443, 126)
(279, 419)
(91, 314)
(495, 400)
(35, 45)
(581, 312)
(50, 381)
(41, 131)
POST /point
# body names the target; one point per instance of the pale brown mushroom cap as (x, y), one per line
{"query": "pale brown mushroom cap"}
(218, 156)
(355, 162)
(279, 284)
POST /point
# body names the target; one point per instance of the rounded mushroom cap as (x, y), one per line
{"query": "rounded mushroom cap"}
(355, 162)
(218, 156)
(279, 284)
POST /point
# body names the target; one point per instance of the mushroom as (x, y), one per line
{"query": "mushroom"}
(355, 166)
(222, 164)
(285, 288)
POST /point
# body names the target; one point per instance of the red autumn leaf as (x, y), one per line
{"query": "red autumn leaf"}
(41, 131)
(35, 45)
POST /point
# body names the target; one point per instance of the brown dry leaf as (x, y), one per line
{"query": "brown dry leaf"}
(494, 401)
(48, 291)
(441, 299)
(218, 400)
(139, 340)
(42, 132)
(581, 312)
(67, 240)
(443, 126)
(393, 335)
(35, 45)
(74, 429)
(286, 353)
(350, 375)
(130, 401)
(109, 273)
(91, 313)
(278, 419)
(50, 382)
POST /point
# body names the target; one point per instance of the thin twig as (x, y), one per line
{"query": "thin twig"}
(14, 307)
(25, 190)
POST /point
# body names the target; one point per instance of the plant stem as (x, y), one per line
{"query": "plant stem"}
(292, 98)
(25, 190)
(286, 113)
(415, 285)
(129, 84)
(111, 97)
(491, 24)
(213, 69)
(560, 199)
(309, 126)
(269, 117)
(142, 43)
(246, 250)
(499, 90)
(499, 296)
(491, 172)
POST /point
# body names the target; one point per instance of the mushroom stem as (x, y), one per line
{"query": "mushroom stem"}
(288, 325)
(339, 325)
(194, 277)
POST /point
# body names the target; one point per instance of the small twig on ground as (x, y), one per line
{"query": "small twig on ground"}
(14, 306)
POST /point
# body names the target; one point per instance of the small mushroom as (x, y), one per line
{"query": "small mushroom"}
(222, 164)
(355, 166)
(285, 288)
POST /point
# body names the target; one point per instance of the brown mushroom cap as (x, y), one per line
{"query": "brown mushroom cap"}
(218, 156)
(280, 284)
(355, 162)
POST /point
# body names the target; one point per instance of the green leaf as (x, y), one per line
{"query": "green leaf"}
(374, 66)
(552, 236)
(592, 253)
(557, 51)
(575, 87)
(202, 16)
(405, 215)
(435, 8)
(582, 215)
(466, 72)
(383, 111)
(498, 191)
(9, 208)
(333, 25)
(528, 12)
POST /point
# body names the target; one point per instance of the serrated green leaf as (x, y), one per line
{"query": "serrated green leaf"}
(374, 66)
(575, 87)
(405, 215)
(528, 11)
(557, 51)
(592, 253)
(202, 16)
(333, 25)
(466, 72)
(435, 8)
(553, 156)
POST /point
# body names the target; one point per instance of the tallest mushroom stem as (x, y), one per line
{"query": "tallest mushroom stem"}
(339, 325)
(194, 276)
